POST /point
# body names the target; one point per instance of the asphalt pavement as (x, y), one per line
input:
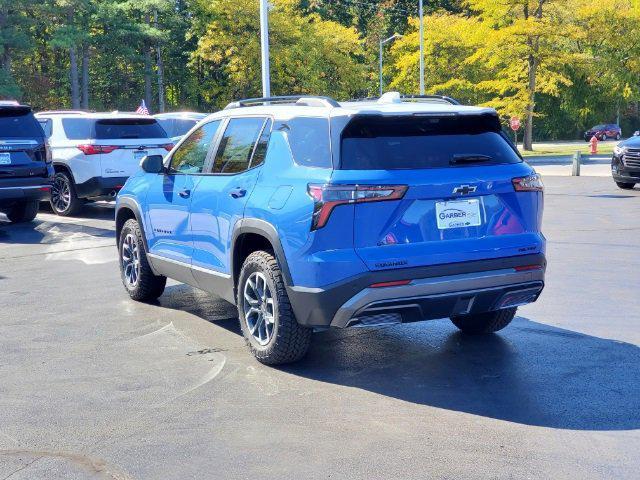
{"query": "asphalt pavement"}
(95, 385)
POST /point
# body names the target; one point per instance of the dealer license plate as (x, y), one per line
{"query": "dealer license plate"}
(458, 214)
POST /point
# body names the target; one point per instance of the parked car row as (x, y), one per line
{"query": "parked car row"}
(70, 157)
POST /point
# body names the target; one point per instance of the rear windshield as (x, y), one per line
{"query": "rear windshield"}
(19, 123)
(396, 143)
(113, 129)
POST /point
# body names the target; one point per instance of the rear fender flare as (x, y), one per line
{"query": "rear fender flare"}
(265, 229)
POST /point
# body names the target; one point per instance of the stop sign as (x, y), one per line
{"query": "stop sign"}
(515, 124)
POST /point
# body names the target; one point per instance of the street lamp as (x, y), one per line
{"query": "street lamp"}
(264, 44)
(420, 13)
(382, 43)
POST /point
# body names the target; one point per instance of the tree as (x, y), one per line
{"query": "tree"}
(308, 54)
(14, 37)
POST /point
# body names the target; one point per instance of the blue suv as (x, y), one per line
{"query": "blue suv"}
(308, 213)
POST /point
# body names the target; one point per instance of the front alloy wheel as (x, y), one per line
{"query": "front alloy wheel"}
(258, 308)
(130, 258)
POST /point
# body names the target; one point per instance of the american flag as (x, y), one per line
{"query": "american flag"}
(142, 109)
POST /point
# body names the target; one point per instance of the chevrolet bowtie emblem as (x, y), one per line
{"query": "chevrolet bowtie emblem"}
(465, 189)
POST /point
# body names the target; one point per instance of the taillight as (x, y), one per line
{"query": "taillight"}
(328, 197)
(532, 183)
(96, 149)
(168, 146)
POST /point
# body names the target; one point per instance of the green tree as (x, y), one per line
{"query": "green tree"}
(308, 54)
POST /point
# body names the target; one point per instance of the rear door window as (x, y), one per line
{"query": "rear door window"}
(19, 123)
(191, 156)
(402, 143)
(118, 128)
(237, 144)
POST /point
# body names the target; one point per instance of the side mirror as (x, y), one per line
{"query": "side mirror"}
(152, 164)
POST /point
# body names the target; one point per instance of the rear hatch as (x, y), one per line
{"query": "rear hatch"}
(23, 152)
(459, 202)
(123, 142)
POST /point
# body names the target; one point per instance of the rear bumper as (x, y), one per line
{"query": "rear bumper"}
(100, 187)
(12, 195)
(434, 292)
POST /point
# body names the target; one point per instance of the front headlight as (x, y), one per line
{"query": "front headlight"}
(618, 150)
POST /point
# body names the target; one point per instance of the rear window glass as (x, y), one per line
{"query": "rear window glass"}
(176, 127)
(396, 143)
(309, 141)
(46, 125)
(113, 129)
(19, 123)
(77, 128)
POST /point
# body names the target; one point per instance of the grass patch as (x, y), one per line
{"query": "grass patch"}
(540, 149)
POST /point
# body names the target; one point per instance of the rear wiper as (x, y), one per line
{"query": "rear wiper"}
(470, 158)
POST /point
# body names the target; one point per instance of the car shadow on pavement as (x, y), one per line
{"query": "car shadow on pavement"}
(47, 232)
(531, 373)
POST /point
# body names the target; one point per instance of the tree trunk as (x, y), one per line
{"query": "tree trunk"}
(160, 65)
(148, 94)
(75, 86)
(527, 141)
(85, 78)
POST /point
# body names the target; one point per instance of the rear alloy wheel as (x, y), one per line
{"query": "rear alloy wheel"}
(23, 212)
(603, 137)
(64, 201)
(268, 324)
(483, 323)
(618, 137)
(137, 277)
(625, 186)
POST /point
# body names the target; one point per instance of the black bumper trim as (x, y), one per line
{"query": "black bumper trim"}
(316, 307)
(99, 186)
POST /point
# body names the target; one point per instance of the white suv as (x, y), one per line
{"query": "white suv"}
(94, 153)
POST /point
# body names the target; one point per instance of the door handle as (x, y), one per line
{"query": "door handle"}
(238, 192)
(185, 193)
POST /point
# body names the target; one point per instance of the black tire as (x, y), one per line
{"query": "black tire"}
(604, 137)
(147, 286)
(484, 323)
(64, 207)
(625, 186)
(618, 137)
(289, 341)
(23, 212)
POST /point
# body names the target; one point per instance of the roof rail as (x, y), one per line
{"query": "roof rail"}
(429, 99)
(63, 112)
(306, 100)
(397, 97)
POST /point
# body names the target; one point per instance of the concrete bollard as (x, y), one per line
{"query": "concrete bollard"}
(576, 164)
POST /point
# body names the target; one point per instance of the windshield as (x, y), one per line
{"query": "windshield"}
(388, 143)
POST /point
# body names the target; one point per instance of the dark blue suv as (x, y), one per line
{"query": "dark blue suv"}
(308, 214)
(26, 172)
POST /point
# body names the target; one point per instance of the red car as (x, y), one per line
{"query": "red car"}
(603, 132)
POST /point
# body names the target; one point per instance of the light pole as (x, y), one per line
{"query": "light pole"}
(420, 12)
(264, 44)
(382, 43)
